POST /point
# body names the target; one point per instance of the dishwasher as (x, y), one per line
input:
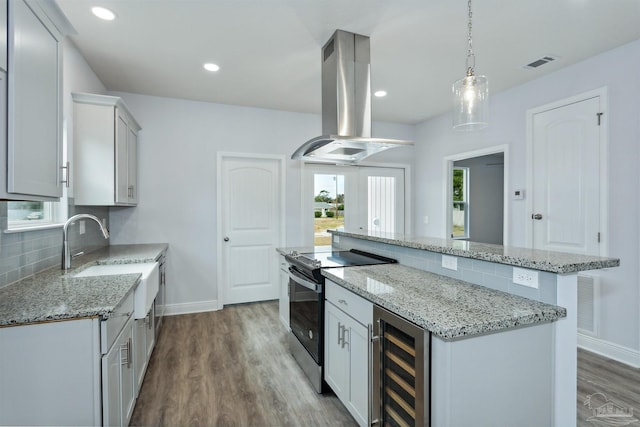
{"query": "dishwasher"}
(401, 367)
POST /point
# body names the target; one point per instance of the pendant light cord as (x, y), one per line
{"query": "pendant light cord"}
(471, 57)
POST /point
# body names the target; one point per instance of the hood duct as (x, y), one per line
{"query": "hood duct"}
(346, 105)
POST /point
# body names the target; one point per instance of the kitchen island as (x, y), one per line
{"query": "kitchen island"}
(505, 351)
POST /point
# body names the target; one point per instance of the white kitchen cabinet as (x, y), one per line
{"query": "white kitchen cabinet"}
(75, 372)
(30, 95)
(284, 292)
(118, 390)
(347, 346)
(144, 339)
(105, 151)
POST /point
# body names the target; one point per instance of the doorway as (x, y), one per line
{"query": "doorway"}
(475, 206)
(352, 198)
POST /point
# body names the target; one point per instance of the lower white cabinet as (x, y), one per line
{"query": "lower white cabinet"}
(144, 341)
(118, 391)
(284, 291)
(347, 346)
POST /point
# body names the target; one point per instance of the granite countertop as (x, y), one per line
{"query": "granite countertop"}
(447, 307)
(54, 294)
(554, 262)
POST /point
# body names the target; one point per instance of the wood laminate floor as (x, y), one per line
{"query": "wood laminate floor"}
(604, 379)
(232, 368)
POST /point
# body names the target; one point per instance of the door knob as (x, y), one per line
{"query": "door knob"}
(226, 239)
(536, 216)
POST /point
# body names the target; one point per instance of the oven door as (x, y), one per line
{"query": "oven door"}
(306, 311)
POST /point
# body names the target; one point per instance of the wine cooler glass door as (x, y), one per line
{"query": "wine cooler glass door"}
(401, 372)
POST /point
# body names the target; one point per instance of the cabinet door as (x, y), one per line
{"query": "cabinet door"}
(34, 152)
(127, 373)
(336, 355)
(132, 166)
(122, 153)
(284, 298)
(358, 399)
(111, 402)
(140, 346)
(151, 336)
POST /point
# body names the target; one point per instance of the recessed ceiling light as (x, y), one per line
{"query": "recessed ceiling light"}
(103, 13)
(380, 93)
(210, 66)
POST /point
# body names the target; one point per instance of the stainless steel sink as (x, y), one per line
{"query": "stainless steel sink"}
(146, 291)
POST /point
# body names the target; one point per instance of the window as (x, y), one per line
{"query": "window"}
(22, 215)
(460, 212)
(328, 206)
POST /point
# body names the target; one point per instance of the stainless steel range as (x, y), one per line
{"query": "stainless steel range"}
(306, 304)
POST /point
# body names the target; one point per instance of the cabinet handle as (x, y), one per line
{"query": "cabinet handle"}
(66, 168)
(340, 333)
(149, 323)
(370, 375)
(129, 351)
(124, 358)
(344, 333)
(343, 302)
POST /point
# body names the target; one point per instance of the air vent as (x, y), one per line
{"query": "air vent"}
(540, 62)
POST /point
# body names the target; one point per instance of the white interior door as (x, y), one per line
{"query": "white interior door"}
(566, 178)
(251, 215)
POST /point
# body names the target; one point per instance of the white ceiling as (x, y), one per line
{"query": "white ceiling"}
(269, 50)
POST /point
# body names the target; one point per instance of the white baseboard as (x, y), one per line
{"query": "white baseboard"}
(613, 351)
(191, 307)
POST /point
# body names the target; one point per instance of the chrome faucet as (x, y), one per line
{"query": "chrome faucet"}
(66, 255)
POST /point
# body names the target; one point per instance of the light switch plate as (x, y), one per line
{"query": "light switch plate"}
(450, 262)
(525, 277)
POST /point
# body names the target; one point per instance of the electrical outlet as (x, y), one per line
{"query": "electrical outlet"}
(83, 227)
(450, 262)
(522, 276)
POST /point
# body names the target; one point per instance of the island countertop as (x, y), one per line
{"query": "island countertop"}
(447, 307)
(54, 294)
(554, 262)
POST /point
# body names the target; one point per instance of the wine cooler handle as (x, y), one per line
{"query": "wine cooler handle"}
(373, 419)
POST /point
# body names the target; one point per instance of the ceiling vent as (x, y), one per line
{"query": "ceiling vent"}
(540, 62)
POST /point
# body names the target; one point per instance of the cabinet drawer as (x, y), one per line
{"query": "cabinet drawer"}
(354, 305)
(111, 327)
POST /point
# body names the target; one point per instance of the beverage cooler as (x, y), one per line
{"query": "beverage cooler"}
(400, 371)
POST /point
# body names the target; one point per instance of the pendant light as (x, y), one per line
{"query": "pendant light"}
(470, 95)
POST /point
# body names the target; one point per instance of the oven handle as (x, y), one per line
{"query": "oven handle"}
(302, 280)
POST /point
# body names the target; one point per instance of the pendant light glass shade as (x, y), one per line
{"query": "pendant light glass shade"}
(471, 103)
(471, 93)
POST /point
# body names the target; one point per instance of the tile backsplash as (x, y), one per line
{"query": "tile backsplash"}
(29, 252)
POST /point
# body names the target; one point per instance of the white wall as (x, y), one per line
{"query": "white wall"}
(620, 330)
(177, 180)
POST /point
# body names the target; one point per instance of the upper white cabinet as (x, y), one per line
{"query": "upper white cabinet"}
(30, 95)
(105, 151)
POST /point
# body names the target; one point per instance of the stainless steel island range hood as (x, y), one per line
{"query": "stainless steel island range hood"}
(346, 105)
